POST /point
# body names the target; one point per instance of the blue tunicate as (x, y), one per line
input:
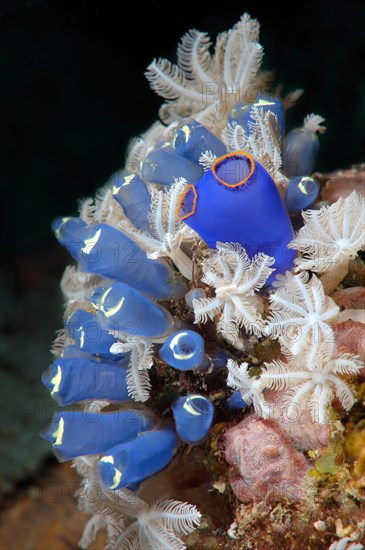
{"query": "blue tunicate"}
(301, 192)
(164, 165)
(130, 191)
(193, 139)
(74, 352)
(241, 112)
(79, 433)
(236, 401)
(301, 150)
(193, 416)
(184, 350)
(219, 359)
(66, 231)
(137, 459)
(84, 328)
(194, 294)
(72, 380)
(237, 201)
(106, 251)
(124, 309)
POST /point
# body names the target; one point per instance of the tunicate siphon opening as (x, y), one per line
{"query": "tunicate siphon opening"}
(234, 169)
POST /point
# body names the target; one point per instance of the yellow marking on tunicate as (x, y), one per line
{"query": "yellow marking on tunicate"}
(116, 479)
(302, 186)
(58, 433)
(109, 459)
(56, 380)
(58, 231)
(82, 338)
(116, 189)
(102, 299)
(113, 310)
(186, 131)
(128, 179)
(189, 408)
(117, 473)
(174, 342)
(90, 243)
(262, 102)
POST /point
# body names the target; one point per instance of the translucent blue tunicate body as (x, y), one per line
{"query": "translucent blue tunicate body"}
(237, 201)
(71, 380)
(301, 192)
(66, 231)
(184, 350)
(236, 401)
(79, 433)
(193, 416)
(104, 250)
(137, 459)
(193, 139)
(74, 351)
(301, 150)
(130, 191)
(241, 112)
(124, 309)
(89, 336)
(164, 165)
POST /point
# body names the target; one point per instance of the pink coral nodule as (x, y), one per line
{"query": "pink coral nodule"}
(264, 464)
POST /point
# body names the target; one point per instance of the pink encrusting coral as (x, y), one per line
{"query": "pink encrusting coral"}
(350, 298)
(304, 433)
(350, 338)
(342, 183)
(264, 464)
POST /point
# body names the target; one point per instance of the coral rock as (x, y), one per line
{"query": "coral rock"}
(350, 298)
(264, 462)
(351, 335)
(342, 183)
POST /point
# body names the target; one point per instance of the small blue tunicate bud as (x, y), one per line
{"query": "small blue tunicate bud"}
(220, 358)
(137, 459)
(194, 294)
(79, 433)
(302, 146)
(193, 416)
(236, 401)
(301, 192)
(72, 380)
(164, 165)
(184, 350)
(193, 139)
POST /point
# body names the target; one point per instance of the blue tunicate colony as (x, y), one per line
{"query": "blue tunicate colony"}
(235, 200)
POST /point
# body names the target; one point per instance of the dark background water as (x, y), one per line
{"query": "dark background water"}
(72, 93)
(72, 90)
